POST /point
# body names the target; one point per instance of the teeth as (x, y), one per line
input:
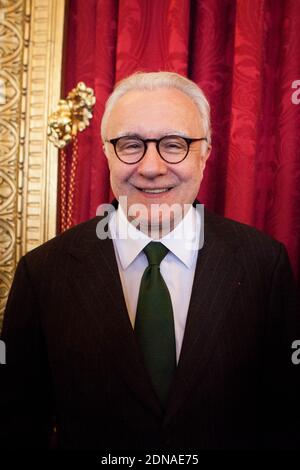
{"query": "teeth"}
(155, 190)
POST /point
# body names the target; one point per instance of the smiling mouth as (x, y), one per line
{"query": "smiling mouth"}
(154, 190)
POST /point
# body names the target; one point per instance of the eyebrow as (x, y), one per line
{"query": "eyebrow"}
(162, 133)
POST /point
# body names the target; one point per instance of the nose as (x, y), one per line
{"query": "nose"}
(152, 164)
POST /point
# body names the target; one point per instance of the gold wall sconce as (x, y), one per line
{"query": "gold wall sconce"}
(72, 115)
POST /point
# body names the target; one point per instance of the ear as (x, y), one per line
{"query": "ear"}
(105, 151)
(204, 156)
(108, 156)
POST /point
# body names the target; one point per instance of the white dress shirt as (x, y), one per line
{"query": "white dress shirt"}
(177, 268)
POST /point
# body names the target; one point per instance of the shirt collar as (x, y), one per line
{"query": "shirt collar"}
(182, 241)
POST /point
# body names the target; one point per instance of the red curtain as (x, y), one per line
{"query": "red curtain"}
(245, 54)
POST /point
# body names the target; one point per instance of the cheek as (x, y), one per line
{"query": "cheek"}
(119, 177)
(192, 174)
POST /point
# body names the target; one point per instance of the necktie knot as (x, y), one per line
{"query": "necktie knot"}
(155, 252)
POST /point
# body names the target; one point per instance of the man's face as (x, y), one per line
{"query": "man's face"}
(154, 114)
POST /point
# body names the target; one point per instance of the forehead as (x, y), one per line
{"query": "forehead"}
(154, 112)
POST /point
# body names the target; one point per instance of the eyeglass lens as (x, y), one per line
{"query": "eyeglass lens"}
(171, 148)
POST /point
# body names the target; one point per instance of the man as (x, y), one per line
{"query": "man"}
(124, 336)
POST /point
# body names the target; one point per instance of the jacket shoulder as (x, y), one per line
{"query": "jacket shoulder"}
(238, 234)
(252, 248)
(61, 244)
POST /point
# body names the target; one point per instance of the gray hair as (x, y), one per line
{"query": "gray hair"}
(157, 80)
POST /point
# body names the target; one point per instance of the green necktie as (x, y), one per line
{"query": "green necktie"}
(154, 323)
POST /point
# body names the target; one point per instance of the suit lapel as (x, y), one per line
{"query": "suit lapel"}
(98, 278)
(217, 278)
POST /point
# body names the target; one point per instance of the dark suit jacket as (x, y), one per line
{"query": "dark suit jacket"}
(73, 361)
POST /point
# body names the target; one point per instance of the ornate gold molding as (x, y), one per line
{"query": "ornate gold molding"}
(31, 39)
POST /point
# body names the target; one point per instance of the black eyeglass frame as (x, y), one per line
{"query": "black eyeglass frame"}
(188, 141)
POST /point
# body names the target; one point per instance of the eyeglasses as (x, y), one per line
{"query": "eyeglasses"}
(171, 148)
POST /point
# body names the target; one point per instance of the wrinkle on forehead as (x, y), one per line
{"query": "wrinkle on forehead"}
(151, 133)
(152, 114)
